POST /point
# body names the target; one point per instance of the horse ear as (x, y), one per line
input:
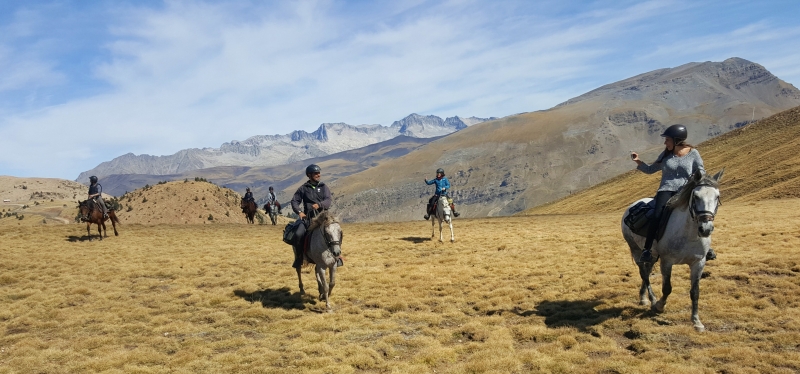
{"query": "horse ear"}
(718, 176)
(698, 175)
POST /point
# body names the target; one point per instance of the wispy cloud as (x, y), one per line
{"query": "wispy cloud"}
(159, 78)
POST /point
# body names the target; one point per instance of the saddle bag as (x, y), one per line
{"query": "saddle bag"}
(290, 231)
(639, 216)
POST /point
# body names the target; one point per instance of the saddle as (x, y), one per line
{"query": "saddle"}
(640, 215)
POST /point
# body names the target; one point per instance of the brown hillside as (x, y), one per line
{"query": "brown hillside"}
(39, 201)
(760, 160)
(189, 202)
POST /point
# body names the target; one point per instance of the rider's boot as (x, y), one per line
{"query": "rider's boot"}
(711, 255)
(646, 256)
(453, 208)
(426, 217)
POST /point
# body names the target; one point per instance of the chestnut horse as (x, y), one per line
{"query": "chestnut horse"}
(249, 208)
(90, 213)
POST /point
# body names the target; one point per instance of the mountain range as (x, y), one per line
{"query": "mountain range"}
(273, 150)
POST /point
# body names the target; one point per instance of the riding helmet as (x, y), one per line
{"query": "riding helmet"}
(248, 189)
(440, 170)
(93, 179)
(676, 132)
(313, 168)
(270, 188)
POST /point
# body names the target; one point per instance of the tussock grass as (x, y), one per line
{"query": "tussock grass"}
(555, 294)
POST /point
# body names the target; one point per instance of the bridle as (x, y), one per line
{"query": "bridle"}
(699, 214)
(329, 241)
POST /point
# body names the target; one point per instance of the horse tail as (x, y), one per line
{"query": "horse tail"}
(114, 218)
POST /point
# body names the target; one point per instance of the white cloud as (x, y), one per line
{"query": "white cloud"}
(195, 74)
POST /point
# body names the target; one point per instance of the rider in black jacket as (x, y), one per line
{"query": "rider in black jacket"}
(312, 198)
(96, 194)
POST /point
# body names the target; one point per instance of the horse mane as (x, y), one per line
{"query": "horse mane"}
(323, 219)
(685, 193)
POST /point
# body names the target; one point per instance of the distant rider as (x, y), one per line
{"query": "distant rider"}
(442, 189)
(248, 196)
(677, 163)
(312, 198)
(271, 197)
(96, 194)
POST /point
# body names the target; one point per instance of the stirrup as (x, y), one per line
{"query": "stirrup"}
(711, 255)
(456, 214)
(426, 217)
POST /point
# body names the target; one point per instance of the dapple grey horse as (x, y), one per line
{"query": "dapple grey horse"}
(272, 210)
(325, 247)
(686, 240)
(442, 215)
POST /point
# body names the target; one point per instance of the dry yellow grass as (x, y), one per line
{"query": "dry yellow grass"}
(520, 294)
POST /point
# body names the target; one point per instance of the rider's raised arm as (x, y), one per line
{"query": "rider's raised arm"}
(430, 182)
(652, 168)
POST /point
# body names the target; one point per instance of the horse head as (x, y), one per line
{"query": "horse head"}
(84, 209)
(701, 194)
(331, 231)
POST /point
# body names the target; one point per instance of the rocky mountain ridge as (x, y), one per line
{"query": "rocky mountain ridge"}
(273, 150)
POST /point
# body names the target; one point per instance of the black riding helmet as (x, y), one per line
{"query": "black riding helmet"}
(93, 179)
(313, 168)
(440, 170)
(676, 132)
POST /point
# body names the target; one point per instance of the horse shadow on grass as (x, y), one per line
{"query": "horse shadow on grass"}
(281, 298)
(579, 314)
(416, 239)
(82, 238)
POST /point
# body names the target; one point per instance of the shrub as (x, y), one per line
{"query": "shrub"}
(144, 200)
(24, 187)
(129, 208)
(20, 217)
(210, 217)
(227, 213)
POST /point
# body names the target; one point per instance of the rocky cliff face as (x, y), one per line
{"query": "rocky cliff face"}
(273, 150)
(505, 166)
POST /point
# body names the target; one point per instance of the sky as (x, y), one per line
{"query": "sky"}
(82, 82)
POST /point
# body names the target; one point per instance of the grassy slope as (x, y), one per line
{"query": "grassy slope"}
(761, 161)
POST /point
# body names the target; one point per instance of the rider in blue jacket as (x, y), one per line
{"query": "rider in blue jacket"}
(442, 189)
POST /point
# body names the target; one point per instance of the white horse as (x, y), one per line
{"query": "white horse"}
(686, 240)
(442, 215)
(272, 210)
(325, 247)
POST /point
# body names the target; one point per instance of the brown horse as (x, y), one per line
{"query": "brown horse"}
(249, 208)
(92, 214)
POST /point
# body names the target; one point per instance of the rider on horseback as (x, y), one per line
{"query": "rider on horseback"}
(248, 196)
(96, 194)
(272, 198)
(677, 163)
(312, 198)
(442, 189)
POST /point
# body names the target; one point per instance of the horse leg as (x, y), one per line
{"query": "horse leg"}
(322, 284)
(696, 273)
(105, 232)
(114, 224)
(646, 291)
(452, 236)
(666, 287)
(100, 231)
(89, 230)
(300, 282)
(332, 281)
(433, 227)
(441, 238)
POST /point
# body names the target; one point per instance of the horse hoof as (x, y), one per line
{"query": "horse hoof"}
(452, 240)
(658, 307)
(699, 327)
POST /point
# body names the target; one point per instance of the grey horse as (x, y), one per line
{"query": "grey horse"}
(324, 249)
(686, 240)
(442, 215)
(272, 210)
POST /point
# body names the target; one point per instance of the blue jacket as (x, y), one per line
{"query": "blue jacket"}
(442, 185)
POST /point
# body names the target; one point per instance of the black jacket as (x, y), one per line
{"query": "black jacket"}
(308, 195)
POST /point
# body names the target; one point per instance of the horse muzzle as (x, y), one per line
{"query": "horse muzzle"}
(705, 228)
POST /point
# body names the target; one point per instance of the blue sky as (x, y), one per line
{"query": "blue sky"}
(82, 82)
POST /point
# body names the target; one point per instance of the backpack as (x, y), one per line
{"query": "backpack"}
(639, 216)
(290, 231)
